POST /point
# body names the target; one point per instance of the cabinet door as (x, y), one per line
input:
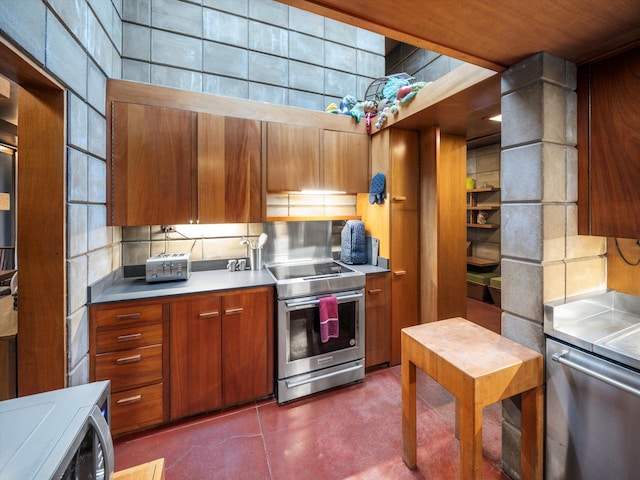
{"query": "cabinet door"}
(293, 157)
(152, 167)
(609, 172)
(404, 228)
(377, 321)
(345, 161)
(244, 350)
(229, 170)
(196, 379)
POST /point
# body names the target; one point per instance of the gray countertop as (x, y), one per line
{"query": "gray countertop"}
(137, 288)
(117, 288)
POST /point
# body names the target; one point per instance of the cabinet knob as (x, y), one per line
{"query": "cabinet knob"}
(212, 313)
(399, 273)
(129, 316)
(399, 198)
(374, 291)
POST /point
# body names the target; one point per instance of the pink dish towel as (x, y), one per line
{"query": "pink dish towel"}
(329, 325)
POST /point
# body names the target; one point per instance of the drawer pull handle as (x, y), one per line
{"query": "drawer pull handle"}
(131, 359)
(130, 337)
(129, 316)
(397, 198)
(127, 400)
(374, 291)
(212, 313)
(400, 273)
(233, 311)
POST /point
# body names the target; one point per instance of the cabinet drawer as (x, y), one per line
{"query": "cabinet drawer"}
(130, 368)
(129, 337)
(136, 408)
(111, 317)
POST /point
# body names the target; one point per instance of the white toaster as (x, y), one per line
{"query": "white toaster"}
(168, 266)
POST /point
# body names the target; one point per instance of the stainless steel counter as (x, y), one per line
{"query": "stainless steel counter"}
(607, 324)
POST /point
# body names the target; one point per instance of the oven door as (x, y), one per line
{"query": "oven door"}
(300, 348)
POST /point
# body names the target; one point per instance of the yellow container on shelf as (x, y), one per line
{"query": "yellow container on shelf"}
(471, 183)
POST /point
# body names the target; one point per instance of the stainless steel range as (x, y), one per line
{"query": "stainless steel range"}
(300, 260)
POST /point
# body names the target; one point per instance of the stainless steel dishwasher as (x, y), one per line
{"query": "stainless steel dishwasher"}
(593, 416)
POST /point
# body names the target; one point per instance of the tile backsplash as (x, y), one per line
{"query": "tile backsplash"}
(204, 242)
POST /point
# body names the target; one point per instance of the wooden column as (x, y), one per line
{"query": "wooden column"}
(442, 225)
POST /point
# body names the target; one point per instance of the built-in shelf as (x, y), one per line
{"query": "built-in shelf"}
(473, 207)
(482, 262)
(482, 225)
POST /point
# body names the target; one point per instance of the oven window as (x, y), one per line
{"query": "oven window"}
(304, 340)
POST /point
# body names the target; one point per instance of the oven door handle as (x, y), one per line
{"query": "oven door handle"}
(561, 358)
(321, 377)
(317, 301)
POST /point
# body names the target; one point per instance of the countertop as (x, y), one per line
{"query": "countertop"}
(117, 289)
(137, 288)
(607, 324)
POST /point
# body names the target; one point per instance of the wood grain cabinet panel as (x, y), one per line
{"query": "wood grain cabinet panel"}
(244, 350)
(396, 223)
(152, 165)
(345, 161)
(128, 345)
(609, 146)
(293, 157)
(229, 169)
(377, 319)
(136, 408)
(221, 350)
(196, 362)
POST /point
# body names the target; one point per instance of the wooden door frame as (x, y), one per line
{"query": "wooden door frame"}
(41, 224)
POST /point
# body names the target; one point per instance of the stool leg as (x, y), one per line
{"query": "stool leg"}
(470, 440)
(409, 455)
(531, 464)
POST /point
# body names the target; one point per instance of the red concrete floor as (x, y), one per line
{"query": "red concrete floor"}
(352, 432)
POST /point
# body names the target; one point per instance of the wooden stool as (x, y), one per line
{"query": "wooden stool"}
(147, 471)
(479, 367)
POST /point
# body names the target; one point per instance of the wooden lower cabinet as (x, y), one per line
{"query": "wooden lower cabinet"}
(221, 350)
(128, 346)
(183, 355)
(245, 352)
(196, 355)
(377, 319)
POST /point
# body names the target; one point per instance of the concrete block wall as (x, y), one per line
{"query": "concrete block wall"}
(78, 43)
(424, 65)
(256, 49)
(543, 258)
(259, 50)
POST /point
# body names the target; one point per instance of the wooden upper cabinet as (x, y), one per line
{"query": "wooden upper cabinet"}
(152, 165)
(345, 161)
(229, 169)
(609, 147)
(293, 157)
